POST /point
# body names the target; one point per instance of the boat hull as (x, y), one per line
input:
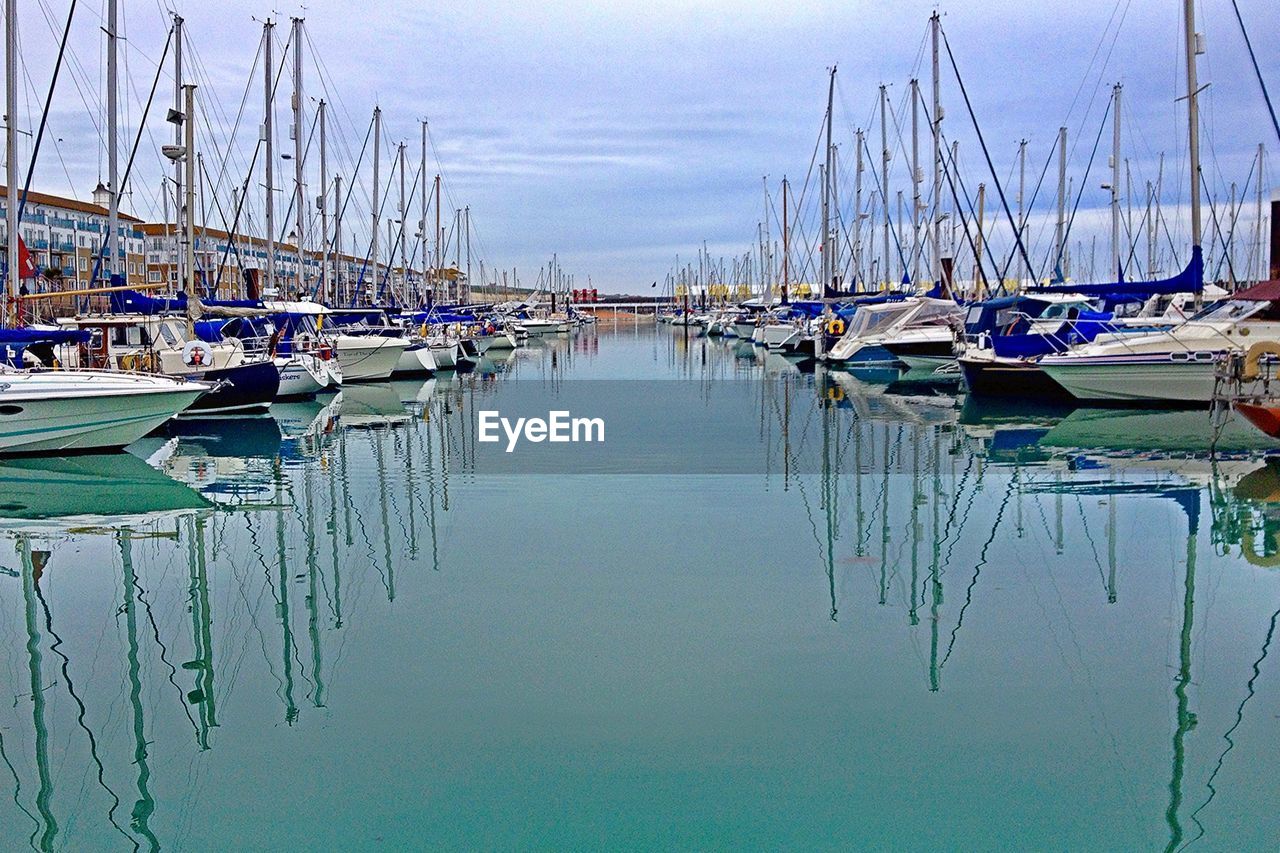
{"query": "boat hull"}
(1147, 381)
(106, 420)
(416, 360)
(369, 358)
(1011, 379)
(244, 389)
(301, 376)
(1265, 418)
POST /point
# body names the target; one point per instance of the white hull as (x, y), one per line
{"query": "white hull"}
(368, 358)
(300, 376)
(744, 330)
(503, 340)
(416, 360)
(445, 355)
(85, 410)
(1134, 381)
(539, 327)
(777, 336)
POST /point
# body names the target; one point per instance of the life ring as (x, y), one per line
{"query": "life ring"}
(836, 326)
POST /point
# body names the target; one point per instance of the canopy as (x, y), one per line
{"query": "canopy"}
(1190, 280)
(28, 335)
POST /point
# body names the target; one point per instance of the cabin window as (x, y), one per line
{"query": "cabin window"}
(170, 338)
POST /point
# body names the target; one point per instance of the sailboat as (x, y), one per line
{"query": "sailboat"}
(69, 410)
(1174, 366)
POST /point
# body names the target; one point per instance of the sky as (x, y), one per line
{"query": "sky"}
(622, 135)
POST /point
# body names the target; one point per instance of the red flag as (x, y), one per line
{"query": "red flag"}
(26, 266)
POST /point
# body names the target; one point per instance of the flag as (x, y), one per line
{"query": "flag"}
(26, 266)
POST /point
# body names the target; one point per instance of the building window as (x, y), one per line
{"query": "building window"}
(84, 265)
(153, 276)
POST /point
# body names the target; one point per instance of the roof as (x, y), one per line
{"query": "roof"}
(68, 204)
(164, 229)
(1263, 291)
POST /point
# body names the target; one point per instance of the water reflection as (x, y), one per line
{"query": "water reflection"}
(231, 591)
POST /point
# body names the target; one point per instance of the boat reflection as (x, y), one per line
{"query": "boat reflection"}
(97, 490)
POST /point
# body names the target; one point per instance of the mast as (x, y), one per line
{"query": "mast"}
(915, 180)
(786, 243)
(935, 24)
(299, 195)
(1262, 270)
(466, 215)
(11, 154)
(113, 132)
(337, 233)
(884, 176)
(1060, 232)
(268, 135)
(1115, 185)
(439, 261)
(1193, 49)
(978, 278)
(826, 195)
(189, 125)
(178, 106)
(422, 223)
(377, 186)
(1022, 212)
(858, 277)
(404, 257)
(324, 209)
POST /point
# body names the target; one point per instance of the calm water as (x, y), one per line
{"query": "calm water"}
(899, 623)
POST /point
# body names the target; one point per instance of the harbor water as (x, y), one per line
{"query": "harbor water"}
(777, 606)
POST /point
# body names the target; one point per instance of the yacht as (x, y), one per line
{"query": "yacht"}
(1173, 366)
(58, 411)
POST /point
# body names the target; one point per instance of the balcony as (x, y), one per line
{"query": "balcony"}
(38, 243)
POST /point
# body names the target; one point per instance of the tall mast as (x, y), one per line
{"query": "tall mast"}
(299, 194)
(1022, 209)
(935, 24)
(422, 223)
(113, 108)
(377, 188)
(858, 278)
(268, 135)
(324, 208)
(1060, 232)
(404, 251)
(827, 266)
(916, 176)
(439, 257)
(466, 213)
(786, 242)
(178, 106)
(1262, 268)
(1115, 185)
(1193, 49)
(189, 125)
(884, 176)
(337, 236)
(11, 152)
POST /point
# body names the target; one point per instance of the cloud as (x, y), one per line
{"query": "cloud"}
(615, 134)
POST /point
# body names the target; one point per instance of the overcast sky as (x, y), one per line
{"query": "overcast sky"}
(621, 134)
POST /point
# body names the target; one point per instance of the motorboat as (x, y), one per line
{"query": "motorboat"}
(57, 411)
(1173, 365)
